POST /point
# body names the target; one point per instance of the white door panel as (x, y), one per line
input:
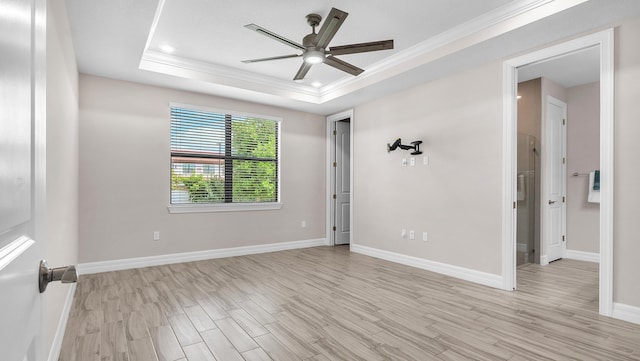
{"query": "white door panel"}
(342, 182)
(22, 105)
(555, 178)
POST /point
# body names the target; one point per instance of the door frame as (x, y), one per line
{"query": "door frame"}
(545, 167)
(605, 41)
(331, 151)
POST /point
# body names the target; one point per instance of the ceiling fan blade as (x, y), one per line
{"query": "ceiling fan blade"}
(272, 35)
(329, 27)
(271, 58)
(302, 72)
(361, 48)
(342, 65)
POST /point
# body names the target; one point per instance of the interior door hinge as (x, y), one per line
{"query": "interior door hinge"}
(334, 228)
(335, 164)
(564, 122)
(334, 196)
(515, 205)
(335, 133)
(564, 160)
(562, 199)
(563, 238)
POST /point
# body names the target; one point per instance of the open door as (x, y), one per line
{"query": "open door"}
(555, 172)
(342, 164)
(22, 168)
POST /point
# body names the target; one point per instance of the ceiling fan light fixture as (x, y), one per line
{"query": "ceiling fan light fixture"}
(166, 48)
(314, 56)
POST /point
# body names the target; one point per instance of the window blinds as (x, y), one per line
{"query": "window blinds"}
(222, 158)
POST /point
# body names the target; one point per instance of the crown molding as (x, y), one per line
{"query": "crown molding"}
(492, 24)
(203, 71)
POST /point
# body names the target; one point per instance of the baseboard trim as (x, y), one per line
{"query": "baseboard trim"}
(466, 274)
(139, 262)
(582, 256)
(56, 346)
(626, 312)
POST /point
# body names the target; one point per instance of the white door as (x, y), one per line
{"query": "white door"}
(22, 107)
(342, 182)
(555, 178)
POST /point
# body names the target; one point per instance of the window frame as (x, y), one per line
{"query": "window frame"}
(229, 207)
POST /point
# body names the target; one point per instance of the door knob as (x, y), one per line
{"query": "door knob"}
(66, 274)
(551, 202)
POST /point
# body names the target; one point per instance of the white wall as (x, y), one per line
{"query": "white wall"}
(125, 179)
(626, 243)
(457, 197)
(583, 156)
(62, 159)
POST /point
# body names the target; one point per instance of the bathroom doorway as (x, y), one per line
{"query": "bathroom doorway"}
(602, 43)
(558, 130)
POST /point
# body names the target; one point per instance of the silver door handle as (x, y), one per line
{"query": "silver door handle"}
(551, 202)
(66, 274)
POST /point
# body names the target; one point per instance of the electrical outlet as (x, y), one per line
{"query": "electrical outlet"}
(412, 235)
(403, 234)
(156, 236)
(412, 161)
(303, 224)
(425, 237)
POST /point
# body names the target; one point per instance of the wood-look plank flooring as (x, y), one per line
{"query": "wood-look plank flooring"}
(326, 303)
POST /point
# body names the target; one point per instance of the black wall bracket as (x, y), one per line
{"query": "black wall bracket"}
(398, 144)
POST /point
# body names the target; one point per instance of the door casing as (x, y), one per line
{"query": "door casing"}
(330, 212)
(605, 41)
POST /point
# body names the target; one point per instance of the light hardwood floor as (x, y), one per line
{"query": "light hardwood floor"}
(326, 303)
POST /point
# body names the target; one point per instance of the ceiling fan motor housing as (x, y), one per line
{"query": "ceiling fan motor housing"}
(309, 40)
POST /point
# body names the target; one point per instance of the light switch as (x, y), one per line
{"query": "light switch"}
(404, 162)
(412, 161)
(425, 160)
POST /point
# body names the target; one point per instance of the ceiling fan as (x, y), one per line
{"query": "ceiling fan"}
(314, 46)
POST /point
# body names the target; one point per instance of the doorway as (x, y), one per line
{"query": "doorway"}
(340, 178)
(603, 42)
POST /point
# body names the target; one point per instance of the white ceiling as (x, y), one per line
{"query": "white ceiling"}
(122, 39)
(578, 68)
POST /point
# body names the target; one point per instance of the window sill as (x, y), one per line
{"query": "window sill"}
(230, 207)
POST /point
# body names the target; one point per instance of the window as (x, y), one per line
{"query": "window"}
(223, 159)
